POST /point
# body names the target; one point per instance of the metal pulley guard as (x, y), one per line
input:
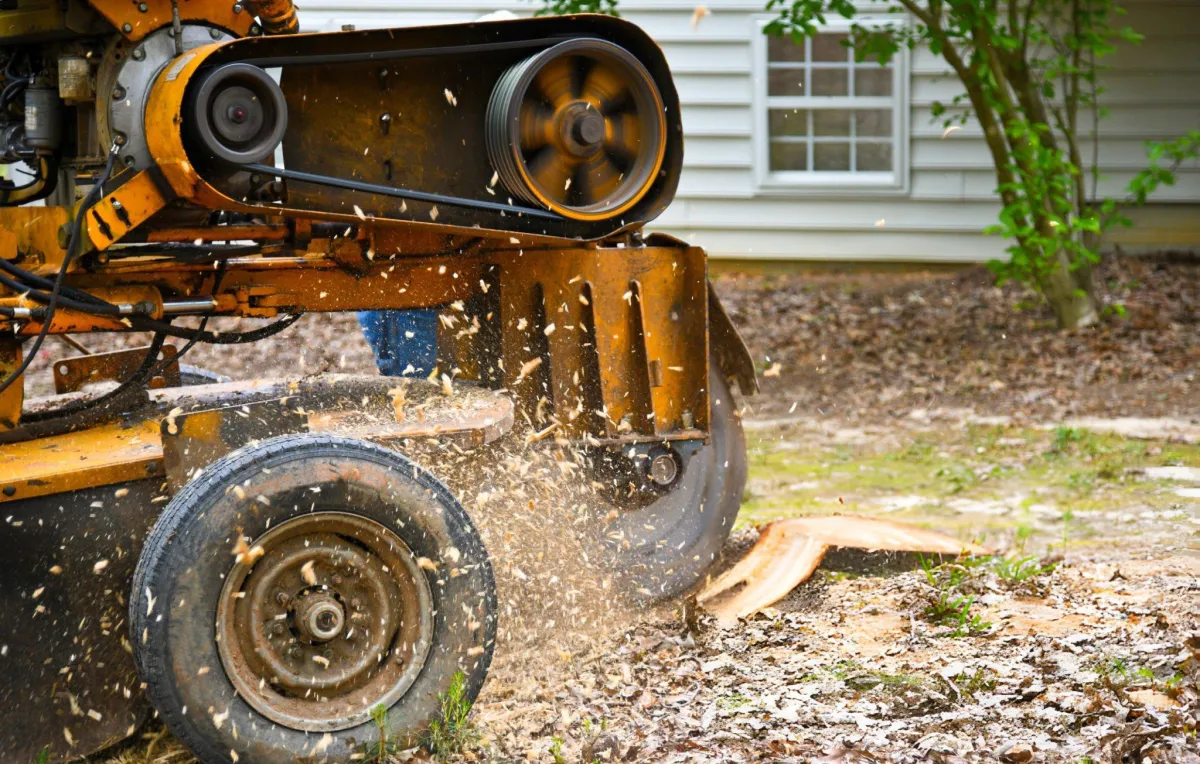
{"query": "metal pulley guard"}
(394, 125)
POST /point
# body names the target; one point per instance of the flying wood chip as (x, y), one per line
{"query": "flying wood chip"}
(788, 552)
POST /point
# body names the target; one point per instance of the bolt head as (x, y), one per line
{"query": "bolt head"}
(118, 93)
(283, 598)
(337, 580)
(139, 54)
(143, 7)
(237, 7)
(127, 28)
(215, 34)
(356, 603)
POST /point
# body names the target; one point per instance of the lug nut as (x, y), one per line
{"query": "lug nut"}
(283, 598)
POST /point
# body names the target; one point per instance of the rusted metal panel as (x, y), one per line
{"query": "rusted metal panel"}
(73, 374)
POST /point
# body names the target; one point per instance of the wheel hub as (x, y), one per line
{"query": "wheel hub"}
(319, 617)
(333, 619)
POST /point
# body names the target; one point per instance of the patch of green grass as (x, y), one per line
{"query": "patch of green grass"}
(556, 750)
(43, 756)
(735, 700)
(1016, 570)
(452, 731)
(980, 680)
(796, 473)
(947, 605)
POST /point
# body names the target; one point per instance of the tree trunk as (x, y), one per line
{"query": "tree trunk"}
(1071, 294)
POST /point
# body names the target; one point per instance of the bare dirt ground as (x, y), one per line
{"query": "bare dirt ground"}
(939, 400)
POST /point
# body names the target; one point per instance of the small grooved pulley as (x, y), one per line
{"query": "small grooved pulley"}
(238, 114)
(577, 128)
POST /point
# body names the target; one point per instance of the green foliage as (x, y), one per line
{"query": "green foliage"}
(564, 7)
(380, 750)
(1017, 570)
(948, 606)
(556, 750)
(1164, 158)
(979, 680)
(43, 756)
(452, 731)
(1029, 70)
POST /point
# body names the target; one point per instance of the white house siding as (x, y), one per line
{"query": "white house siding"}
(1152, 94)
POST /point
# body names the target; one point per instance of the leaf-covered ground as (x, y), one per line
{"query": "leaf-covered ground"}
(939, 400)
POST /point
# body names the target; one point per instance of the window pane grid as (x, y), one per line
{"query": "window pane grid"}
(842, 121)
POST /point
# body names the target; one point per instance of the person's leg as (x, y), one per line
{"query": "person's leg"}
(404, 341)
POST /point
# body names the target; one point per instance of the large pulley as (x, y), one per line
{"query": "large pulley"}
(577, 128)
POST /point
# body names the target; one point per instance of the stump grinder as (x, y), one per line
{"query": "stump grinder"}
(258, 562)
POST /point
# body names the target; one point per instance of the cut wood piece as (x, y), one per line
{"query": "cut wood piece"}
(788, 552)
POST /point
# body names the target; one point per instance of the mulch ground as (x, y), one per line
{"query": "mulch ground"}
(871, 345)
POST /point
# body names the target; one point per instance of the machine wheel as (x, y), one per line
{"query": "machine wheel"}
(668, 544)
(296, 585)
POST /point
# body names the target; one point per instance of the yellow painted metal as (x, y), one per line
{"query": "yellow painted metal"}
(13, 398)
(124, 209)
(135, 23)
(32, 18)
(104, 455)
(31, 235)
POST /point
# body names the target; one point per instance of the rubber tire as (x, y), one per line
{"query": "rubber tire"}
(691, 523)
(187, 555)
(189, 376)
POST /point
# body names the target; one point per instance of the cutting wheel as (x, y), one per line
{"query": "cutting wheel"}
(577, 128)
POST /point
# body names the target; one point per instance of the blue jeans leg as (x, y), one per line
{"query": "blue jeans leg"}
(404, 341)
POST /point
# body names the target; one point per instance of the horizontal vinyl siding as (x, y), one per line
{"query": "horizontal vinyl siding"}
(1151, 95)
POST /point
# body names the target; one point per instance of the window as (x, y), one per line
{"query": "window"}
(827, 121)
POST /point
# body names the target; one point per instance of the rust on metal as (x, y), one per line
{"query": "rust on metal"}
(323, 618)
(74, 374)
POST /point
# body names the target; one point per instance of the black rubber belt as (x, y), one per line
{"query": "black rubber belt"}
(392, 191)
(373, 188)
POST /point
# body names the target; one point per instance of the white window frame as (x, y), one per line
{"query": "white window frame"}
(806, 182)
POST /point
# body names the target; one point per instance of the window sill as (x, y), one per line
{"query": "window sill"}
(849, 184)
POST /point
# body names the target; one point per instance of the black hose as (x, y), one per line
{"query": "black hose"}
(203, 325)
(73, 245)
(214, 338)
(106, 309)
(32, 282)
(142, 374)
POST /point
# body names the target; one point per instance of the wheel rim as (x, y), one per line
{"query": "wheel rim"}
(325, 617)
(578, 128)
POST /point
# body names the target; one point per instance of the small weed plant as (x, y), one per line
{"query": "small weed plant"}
(452, 731)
